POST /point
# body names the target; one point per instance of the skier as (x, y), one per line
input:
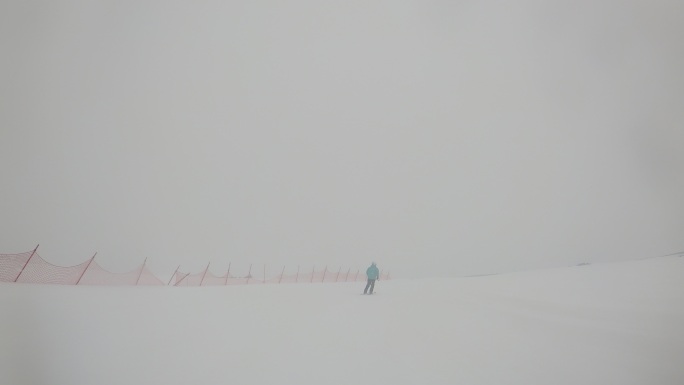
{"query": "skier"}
(372, 273)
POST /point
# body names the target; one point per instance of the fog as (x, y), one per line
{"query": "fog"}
(436, 138)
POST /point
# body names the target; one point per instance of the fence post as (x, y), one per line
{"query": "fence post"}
(174, 274)
(338, 274)
(324, 271)
(227, 275)
(281, 274)
(86, 269)
(205, 273)
(313, 272)
(141, 271)
(346, 277)
(297, 276)
(26, 264)
(249, 274)
(356, 277)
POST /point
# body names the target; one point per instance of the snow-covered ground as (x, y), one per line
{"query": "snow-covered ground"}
(620, 323)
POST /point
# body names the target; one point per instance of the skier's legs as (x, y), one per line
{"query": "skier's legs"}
(365, 291)
(372, 285)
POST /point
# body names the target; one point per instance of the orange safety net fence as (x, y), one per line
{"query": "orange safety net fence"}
(29, 267)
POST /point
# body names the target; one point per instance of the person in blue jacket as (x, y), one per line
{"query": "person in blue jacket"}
(373, 274)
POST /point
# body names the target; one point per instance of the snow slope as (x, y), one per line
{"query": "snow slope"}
(620, 323)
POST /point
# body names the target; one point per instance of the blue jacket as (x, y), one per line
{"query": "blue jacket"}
(372, 272)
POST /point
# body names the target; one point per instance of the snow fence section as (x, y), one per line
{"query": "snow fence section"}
(206, 278)
(29, 267)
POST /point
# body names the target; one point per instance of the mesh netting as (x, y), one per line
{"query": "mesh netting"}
(39, 270)
(206, 278)
(147, 278)
(97, 275)
(209, 279)
(12, 264)
(213, 280)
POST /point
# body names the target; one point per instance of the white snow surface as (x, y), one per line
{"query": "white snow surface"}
(619, 323)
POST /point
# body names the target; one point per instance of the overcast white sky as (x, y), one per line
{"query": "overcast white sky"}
(435, 137)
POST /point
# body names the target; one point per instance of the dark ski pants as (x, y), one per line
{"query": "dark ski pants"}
(371, 285)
